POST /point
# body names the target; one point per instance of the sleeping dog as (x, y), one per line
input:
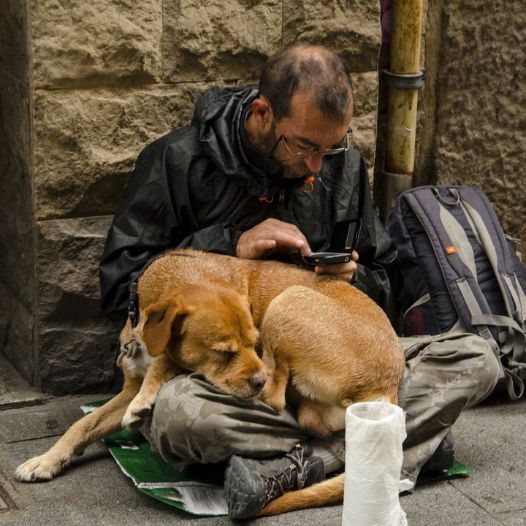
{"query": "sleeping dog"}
(201, 312)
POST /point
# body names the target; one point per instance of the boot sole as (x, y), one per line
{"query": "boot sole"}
(243, 489)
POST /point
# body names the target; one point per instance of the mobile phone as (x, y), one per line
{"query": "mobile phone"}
(345, 237)
(346, 234)
(326, 258)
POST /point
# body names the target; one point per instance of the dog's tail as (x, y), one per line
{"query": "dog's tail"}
(329, 491)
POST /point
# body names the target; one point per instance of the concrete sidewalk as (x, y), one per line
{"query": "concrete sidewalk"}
(490, 439)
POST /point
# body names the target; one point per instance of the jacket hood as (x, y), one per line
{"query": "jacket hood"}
(219, 117)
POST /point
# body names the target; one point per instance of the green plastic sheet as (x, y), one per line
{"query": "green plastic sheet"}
(197, 489)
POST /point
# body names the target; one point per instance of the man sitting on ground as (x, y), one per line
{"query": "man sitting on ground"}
(264, 172)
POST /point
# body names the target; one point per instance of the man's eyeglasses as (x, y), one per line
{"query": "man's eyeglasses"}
(298, 150)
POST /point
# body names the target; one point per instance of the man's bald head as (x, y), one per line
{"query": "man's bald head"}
(312, 69)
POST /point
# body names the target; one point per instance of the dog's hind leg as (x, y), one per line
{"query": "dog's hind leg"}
(103, 421)
(319, 419)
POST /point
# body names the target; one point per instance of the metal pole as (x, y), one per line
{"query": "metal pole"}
(404, 79)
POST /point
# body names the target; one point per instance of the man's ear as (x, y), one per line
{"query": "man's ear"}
(160, 319)
(262, 113)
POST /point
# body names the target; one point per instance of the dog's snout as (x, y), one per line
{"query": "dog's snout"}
(257, 381)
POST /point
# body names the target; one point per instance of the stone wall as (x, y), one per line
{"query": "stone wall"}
(94, 84)
(17, 259)
(476, 103)
(85, 86)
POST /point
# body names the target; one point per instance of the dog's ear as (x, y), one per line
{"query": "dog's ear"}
(161, 317)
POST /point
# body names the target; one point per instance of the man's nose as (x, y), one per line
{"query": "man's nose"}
(314, 162)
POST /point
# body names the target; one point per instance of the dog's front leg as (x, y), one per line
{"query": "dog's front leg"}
(103, 421)
(160, 371)
(274, 391)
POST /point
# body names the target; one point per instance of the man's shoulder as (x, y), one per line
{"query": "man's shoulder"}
(185, 139)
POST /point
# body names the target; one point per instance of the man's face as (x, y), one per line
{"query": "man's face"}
(306, 131)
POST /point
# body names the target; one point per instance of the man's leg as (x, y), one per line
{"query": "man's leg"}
(444, 375)
(194, 422)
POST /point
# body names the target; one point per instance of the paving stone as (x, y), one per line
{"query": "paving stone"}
(485, 439)
(50, 419)
(94, 491)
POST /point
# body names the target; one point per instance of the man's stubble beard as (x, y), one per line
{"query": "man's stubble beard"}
(267, 145)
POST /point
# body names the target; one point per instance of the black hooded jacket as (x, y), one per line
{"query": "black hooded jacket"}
(201, 186)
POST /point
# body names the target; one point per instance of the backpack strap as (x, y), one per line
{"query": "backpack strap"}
(514, 342)
(519, 297)
(488, 241)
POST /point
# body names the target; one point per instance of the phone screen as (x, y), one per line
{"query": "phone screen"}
(346, 235)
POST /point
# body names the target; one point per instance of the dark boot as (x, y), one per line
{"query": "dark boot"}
(251, 484)
(443, 458)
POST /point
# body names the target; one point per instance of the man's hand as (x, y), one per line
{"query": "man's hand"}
(343, 271)
(271, 236)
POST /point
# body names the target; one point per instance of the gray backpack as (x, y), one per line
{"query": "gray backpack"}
(457, 270)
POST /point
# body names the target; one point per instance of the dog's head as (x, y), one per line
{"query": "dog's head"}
(207, 328)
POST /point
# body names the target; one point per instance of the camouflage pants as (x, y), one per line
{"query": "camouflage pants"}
(194, 422)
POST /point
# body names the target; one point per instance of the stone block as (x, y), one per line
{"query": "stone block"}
(77, 343)
(87, 141)
(350, 28)
(76, 358)
(481, 131)
(218, 39)
(97, 42)
(68, 257)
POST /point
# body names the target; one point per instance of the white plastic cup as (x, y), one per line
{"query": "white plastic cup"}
(374, 433)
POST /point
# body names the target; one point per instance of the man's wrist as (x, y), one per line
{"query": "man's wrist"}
(236, 235)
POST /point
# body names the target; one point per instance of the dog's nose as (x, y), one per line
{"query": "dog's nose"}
(257, 381)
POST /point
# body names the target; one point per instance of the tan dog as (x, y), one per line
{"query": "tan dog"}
(326, 353)
(200, 312)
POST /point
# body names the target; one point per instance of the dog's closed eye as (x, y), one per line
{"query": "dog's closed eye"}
(224, 354)
(223, 349)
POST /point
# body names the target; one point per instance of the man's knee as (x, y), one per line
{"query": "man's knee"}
(463, 361)
(175, 403)
(182, 420)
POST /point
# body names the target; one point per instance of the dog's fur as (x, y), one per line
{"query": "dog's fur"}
(324, 339)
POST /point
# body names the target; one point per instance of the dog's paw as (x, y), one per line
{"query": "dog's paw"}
(273, 399)
(43, 467)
